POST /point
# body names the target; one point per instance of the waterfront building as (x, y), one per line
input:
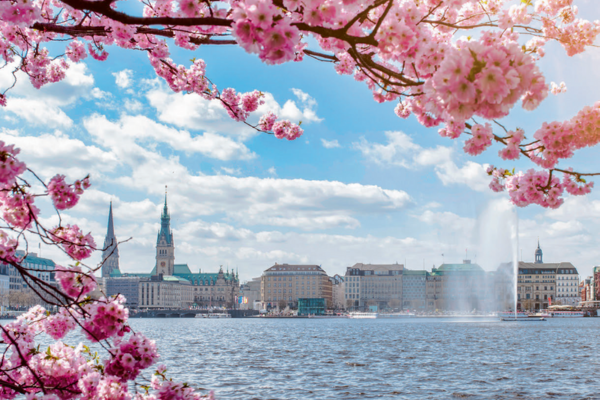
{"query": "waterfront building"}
(165, 292)
(433, 292)
(251, 291)
(20, 289)
(283, 284)
(110, 251)
(4, 287)
(311, 306)
(536, 286)
(567, 285)
(414, 289)
(597, 281)
(169, 283)
(539, 284)
(126, 285)
(464, 287)
(338, 292)
(374, 286)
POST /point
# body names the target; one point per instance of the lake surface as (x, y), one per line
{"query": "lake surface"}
(418, 358)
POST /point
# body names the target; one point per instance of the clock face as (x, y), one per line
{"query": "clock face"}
(162, 264)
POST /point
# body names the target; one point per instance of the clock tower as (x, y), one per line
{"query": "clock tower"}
(165, 247)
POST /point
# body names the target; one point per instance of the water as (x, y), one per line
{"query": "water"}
(382, 359)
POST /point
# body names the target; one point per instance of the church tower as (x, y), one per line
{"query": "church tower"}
(538, 254)
(110, 252)
(165, 247)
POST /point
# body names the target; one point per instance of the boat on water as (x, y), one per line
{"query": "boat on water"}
(563, 314)
(363, 315)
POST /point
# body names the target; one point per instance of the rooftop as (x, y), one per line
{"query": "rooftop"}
(291, 267)
(378, 267)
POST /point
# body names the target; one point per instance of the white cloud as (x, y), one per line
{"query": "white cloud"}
(330, 144)
(39, 112)
(99, 94)
(123, 78)
(42, 107)
(470, 174)
(133, 106)
(401, 151)
(52, 153)
(231, 171)
(138, 129)
(193, 112)
(271, 171)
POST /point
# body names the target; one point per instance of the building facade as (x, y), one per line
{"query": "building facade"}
(4, 287)
(165, 292)
(433, 292)
(22, 291)
(251, 292)
(464, 287)
(414, 289)
(567, 285)
(128, 286)
(283, 284)
(374, 286)
(338, 292)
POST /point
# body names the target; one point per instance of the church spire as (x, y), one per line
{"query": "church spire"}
(110, 251)
(538, 254)
(165, 209)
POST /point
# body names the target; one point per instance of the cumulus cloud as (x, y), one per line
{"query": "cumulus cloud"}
(193, 112)
(123, 78)
(42, 107)
(330, 144)
(65, 155)
(132, 130)
(401, 151)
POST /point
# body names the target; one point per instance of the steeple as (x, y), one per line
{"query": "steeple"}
(165, 224)
(538, 254)
(110, 251)
(165, 213)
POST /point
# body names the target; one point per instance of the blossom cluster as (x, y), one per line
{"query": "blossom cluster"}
(106, 318)
(536, 187)
(74, 282)
(260, 27)
(131, 356)
(66, 196)
(559, 140)
(77, 245)
(10, 166)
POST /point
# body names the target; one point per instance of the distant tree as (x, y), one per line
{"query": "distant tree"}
(394, 303)
(282, 304)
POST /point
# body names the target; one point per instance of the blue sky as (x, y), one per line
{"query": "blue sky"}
(361, 185)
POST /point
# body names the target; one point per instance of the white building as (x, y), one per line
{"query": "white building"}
(377, 286)
(338, 292)
(251, 292)
(567, 285)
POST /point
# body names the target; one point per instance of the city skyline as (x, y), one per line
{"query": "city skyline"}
(372, 189)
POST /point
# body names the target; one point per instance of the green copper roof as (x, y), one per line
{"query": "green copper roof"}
(39, 261)
(471, 268)
(178, 269)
